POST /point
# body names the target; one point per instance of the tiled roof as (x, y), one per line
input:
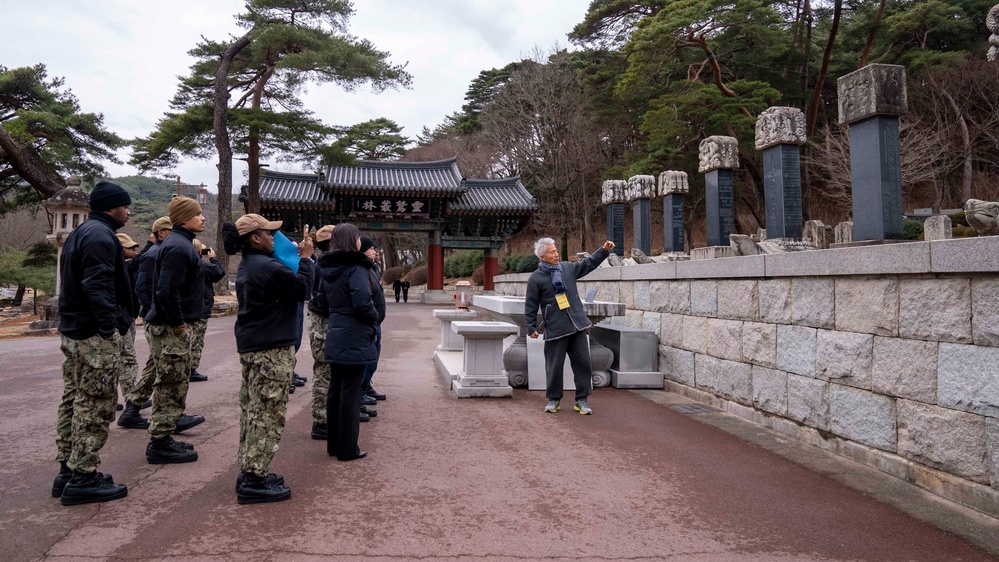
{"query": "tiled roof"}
(285, 190)
(370, 177)
(492, 197)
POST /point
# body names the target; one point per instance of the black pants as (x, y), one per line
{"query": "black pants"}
(397, 294)
(343, 410)
(579, 358)
(405, 295)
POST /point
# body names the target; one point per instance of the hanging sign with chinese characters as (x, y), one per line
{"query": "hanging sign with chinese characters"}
(381, 206)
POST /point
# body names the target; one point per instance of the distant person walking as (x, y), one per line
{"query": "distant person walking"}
(95, 300)
(268, 293)
(397, 288)
(350, 337)
(552, 289)
(405, 289)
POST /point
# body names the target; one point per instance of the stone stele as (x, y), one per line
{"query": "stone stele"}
(876, 89)
(614, 191)
(641, 187)
(983, 216)
(718, 153)
(992, 23)
(780, 125)
(671, 182)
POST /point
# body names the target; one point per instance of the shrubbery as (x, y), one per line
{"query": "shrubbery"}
(418, 275)
(912, 229)
(462, 263)
(520, 263)
(478, 275)
(391, 274)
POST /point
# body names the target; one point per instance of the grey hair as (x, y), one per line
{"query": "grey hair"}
(541, 245)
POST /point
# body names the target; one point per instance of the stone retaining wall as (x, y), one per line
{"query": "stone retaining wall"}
(886, 354)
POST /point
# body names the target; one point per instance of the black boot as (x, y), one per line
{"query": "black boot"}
(185, 422)
(61, 479)
(297, 380)
(132, 419)
(319, 432)
(197, 377)
(370, 391)
(370, 411)
(298, 376)
(271, 478)
(364, 417)
(256, 489)
(167, 451)
(147, 404)
(91, 487)
(367, 400)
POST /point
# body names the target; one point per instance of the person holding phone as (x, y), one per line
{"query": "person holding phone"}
(212, 272)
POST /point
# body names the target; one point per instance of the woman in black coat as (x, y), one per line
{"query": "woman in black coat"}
(350, 337)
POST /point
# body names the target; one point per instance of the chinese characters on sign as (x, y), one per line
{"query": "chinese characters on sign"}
(390, 206)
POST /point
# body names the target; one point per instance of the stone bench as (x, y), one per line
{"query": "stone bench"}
(636, 356)
(483, 374)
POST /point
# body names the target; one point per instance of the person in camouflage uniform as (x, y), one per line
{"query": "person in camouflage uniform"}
(128, 365)
(318, 320)
(268, 293)
(213, 272)
(95, 299)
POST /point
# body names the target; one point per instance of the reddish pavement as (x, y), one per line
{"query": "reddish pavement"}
(470, 479)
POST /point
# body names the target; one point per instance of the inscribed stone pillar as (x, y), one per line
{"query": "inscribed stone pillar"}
(672, 187)
(780, 132)
(871, 101)
(613, 195)
(640, 192)
(718, 157)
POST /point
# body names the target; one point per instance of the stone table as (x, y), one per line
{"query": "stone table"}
(483, 375)
(450, 341)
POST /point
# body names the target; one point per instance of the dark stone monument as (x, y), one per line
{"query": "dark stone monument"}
(673, 186)
(640, 192)
(870, 101)
(613, 196)
(780, 131)
(718, 157)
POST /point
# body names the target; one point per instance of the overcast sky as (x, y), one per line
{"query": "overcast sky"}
(122, 57)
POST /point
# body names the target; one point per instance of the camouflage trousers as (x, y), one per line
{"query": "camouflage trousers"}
(198, 330)
(320, 369)
(171, 356)
(142, 390)
(89, 373)
(128, 367)
(263, 402)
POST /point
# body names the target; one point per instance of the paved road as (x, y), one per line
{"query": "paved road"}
(471, 479)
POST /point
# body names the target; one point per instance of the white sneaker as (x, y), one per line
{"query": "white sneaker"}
(552, 406)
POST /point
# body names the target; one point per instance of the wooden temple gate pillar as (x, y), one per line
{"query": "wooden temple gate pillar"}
(490, 268)
(435, 263)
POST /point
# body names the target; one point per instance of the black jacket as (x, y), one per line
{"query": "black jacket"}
(318, 303)
(145, 267)
(132, 266)
(213, 273)
(268, 294)
(353, 315)
(95, 296)
(541, 294)
(178, 284)
(378, 293)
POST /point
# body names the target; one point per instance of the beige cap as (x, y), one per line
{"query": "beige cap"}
(248, 223)
(325, 233)
(162, 223)
(126, 240)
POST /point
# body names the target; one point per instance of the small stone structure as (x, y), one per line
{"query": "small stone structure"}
(450, 341)
(613, 195)
(938, 227)
(636, 356)
(844, 232)
(815, 233)
(992, 24)
(483, 375)
(983, 216)
(640, 192)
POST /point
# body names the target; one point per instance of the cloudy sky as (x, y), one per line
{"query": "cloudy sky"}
(122, 57)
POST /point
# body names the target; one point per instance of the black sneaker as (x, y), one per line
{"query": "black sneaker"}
(185, 422)
(132, 419)
(370, 411)
(256, 489)
(292, 389)
(198, 377)
(364, 417)
(297, 380)
(370, 391)
(275, 479)
(367, 400)
(319, 432)
(168, 451)
(298, 376)
(91, 487)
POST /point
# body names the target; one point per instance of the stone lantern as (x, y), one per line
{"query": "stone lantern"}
(202, 197)
(67, 210)
(462, 295)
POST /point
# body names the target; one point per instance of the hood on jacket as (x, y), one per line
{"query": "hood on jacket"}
(334, 264)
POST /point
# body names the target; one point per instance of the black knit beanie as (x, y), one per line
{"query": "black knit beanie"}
(366, 242)
(107, 196)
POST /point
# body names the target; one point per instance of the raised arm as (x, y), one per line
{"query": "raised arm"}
(589, 264)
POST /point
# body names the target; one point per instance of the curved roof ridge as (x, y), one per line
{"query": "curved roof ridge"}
(290, 175)
(428, 165)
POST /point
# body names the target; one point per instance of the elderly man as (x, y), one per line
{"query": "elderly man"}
(552, 288)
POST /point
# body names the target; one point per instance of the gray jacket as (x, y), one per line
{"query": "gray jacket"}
(541, 295)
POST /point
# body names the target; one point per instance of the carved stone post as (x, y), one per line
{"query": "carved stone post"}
(673, 186)
(640, 192)
(992, 24)
(870, 101)
(718, 157)
(613, 196)
(780, 132)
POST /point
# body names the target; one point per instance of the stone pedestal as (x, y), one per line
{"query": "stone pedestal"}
(636, 356)
(450, 341)
(613, 196)
(870, 102)
(482, 375)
